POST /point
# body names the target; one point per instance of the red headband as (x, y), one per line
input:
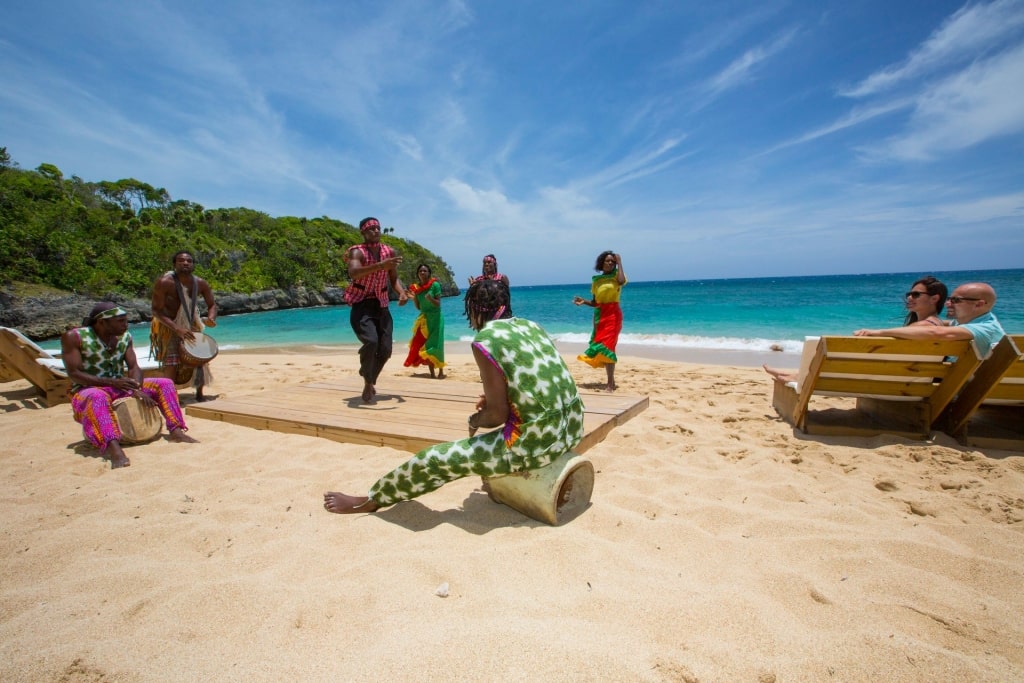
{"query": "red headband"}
(372, 223)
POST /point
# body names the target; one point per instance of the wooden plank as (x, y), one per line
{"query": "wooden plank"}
(409, 414)
(877, 366)
(871, 387)
(888, 345)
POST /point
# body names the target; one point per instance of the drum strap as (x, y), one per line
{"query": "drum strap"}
(192, 301)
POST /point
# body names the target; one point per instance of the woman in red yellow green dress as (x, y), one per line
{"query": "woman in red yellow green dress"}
(427, 344)
(605, 291)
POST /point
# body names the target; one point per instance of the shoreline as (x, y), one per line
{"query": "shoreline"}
(673, 354)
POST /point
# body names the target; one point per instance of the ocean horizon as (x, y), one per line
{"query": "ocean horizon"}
(753, 315)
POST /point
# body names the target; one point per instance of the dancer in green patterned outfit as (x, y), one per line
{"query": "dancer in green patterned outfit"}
(528, 392)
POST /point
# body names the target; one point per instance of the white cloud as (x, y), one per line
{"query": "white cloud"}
(741, 69)
(980, 103)
(984, 208)
(481, 202)
(967, 33)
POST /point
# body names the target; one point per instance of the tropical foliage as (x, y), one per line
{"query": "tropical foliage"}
(117, 237)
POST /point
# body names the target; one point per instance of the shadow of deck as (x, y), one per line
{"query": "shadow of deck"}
(409, 413)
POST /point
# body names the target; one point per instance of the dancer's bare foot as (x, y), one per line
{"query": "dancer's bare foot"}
(441, 375)
(779, 374)
(611, 387)
(344, 504)
(115, 454)
(368, 392)
(431, 372)
(178, 435)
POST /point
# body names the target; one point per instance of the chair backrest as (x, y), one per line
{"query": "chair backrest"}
(932, 371)
(999, 380)
(26, 344)
(1010, 387)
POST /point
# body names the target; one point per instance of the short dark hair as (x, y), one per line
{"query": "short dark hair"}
(367, 220)
(599, 265)
(174, 259)
(424, 265)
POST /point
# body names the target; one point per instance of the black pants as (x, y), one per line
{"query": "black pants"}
(373, 326)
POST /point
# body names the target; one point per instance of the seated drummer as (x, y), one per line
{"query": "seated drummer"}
(176, 318)
(96, 357)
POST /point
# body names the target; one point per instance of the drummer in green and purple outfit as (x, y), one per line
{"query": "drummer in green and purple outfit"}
(99, 357)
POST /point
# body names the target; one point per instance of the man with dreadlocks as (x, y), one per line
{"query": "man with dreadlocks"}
(100, 360)
(528, 392)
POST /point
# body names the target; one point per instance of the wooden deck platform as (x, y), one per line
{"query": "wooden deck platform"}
(409, 413)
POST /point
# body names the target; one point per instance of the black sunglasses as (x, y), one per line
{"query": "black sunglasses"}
(961, 299)
(913, 295)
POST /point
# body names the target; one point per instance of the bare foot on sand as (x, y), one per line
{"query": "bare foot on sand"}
(344, 504)
(179, 436)
(115, 454)
(368, 393)
(779, 374)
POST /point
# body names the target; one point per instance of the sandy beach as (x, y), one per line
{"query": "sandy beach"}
(720, 546)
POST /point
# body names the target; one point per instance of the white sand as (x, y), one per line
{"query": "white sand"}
(720, 546)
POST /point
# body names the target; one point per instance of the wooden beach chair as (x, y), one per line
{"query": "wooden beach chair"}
(20, 357)
(901, 386)
(989, 411)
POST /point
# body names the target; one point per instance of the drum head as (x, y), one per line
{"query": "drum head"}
(200, 350)
(139, 421)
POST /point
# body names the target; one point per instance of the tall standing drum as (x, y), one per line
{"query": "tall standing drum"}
(139, 420)
(199, 351)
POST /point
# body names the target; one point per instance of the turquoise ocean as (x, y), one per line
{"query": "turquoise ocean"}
(719, 315)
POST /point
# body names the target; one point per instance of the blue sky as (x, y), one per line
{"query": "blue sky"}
(698, 139)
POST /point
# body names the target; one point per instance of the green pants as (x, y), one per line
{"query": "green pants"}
(485, 455)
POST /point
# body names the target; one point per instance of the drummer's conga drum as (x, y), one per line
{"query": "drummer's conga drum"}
(139, 420)
(200, 350)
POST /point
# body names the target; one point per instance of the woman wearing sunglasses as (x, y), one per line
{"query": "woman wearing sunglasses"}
(925, 301)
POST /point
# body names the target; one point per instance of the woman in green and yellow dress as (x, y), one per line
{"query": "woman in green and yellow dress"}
(605, 291)
(427, 343)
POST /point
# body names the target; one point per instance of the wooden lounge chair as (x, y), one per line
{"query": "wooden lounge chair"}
(20, 357)
(989, 412)
(901, 386)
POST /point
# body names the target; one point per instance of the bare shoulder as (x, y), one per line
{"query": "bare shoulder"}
(164, 281)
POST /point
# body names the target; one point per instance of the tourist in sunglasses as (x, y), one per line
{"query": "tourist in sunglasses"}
(971, 305)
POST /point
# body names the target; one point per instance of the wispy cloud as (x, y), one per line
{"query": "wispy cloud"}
(741, 70)
(981, 103)
(972, 30)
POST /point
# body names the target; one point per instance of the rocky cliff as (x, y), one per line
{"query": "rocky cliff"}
(45, 313)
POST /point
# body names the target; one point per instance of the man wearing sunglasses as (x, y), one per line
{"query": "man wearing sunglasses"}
(971, 307)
